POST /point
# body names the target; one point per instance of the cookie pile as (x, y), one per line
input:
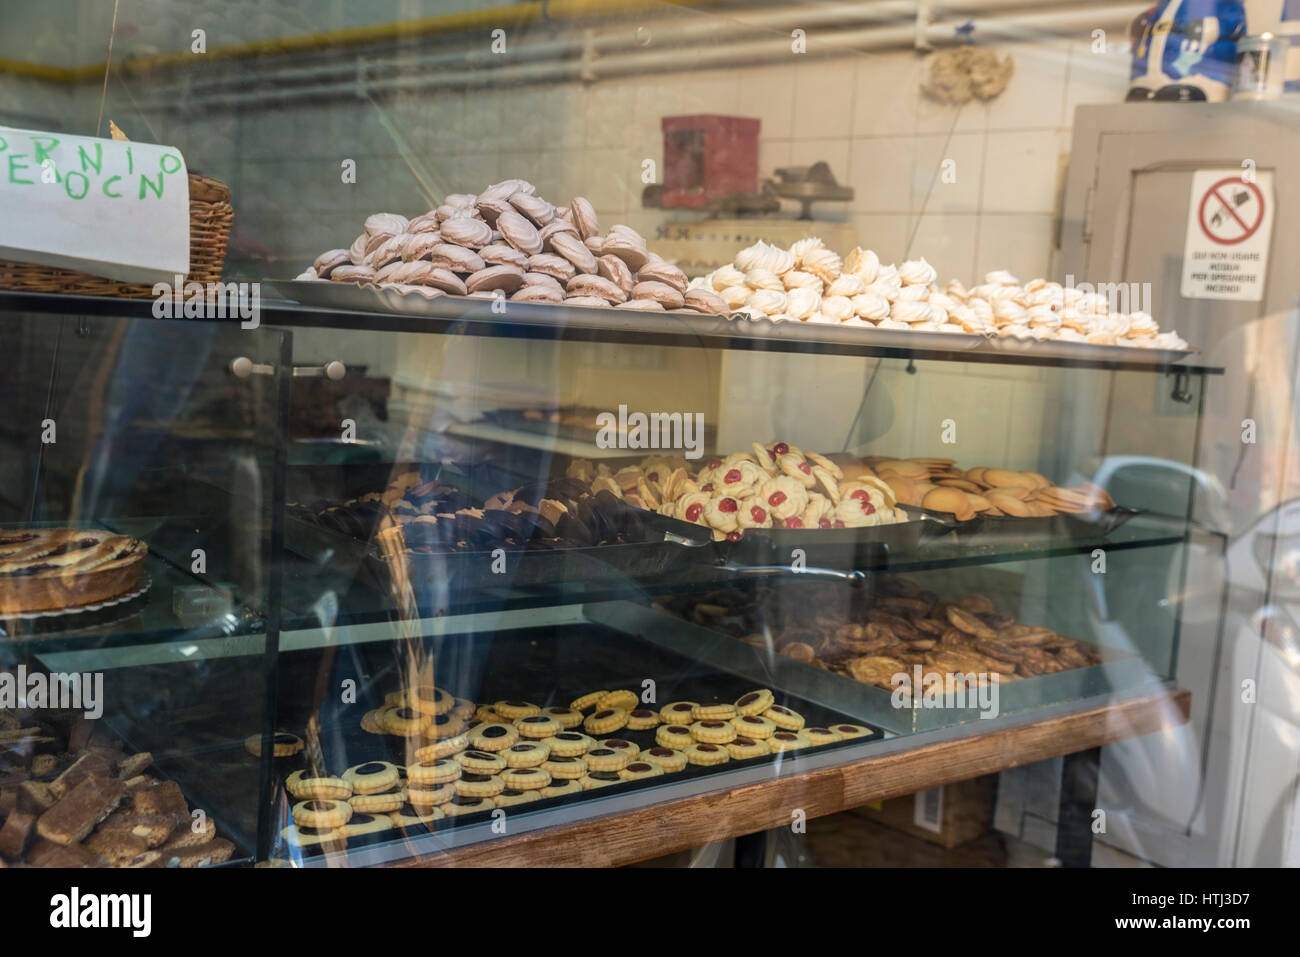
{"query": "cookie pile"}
(938, 484)
(811, 283)
(777, 485)
(904, 626)
(72, 796)
(509, 243)
(469, 758)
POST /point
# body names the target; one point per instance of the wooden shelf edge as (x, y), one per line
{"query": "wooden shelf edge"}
(632, 836)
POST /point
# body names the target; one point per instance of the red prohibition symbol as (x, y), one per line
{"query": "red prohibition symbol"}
(1217, 194)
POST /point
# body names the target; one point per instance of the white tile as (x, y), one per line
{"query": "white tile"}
(612, 178)
(767, 93)
(1023, 171)
(948, 173)
(611, 111)
(885, 95)
(823, 96)
(948, 243)
(1034, 96)
(483, 127)
(1019, 243)
(707, 91)
(886, 234)
(1096, 77)
(881, 174)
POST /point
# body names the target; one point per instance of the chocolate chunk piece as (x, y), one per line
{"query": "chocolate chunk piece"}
(18, 830)
(77, 812)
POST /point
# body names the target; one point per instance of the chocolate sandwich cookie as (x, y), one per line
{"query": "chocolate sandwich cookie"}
(480, 762)
(707, 754)
(369, 778)
(525, 779)
(642, 719)
(559, 766)
(599, 779)
(676, 736)
(667, 758)
(742, 748)
(569, 744)
(607, 759)
(408, 816)
(713, 731)
(538, 726)
(526, 754)
(322, 813)
(605, 721)
(465, 804)
(784, 717)
(492, 737)
(305, 785)
(755, 702)
(479, 785)
(787, 741)
(640, 769)
(818, 736)
(754, 726)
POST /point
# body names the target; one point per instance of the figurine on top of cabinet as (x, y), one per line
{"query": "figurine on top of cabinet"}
(1184, 50)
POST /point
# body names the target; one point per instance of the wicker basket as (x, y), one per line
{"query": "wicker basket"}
(210, 217)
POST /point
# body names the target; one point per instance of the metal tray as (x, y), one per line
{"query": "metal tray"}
(547, 666)
(371, 298)
(1048, 529)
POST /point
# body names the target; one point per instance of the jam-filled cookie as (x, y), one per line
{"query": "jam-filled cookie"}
(525, 779)
(667, 758)
(676, 736)
(403, 720)
(367, 824)
(493, 737)
(330, 838)
(437, 771)
(472, 784)
(788, 741)
(678, 712)
(642, 719)
(640, 769)
(430, 700)
(630, 748)
(409, 816)
(706, 753)
(283, 744)
(561, 788)
(379, 802)
(626, 700)
(607, 759)
(537, 726)
(784, 717)
(713, 731)
(599, 779)
(371, 777)
(322, 813)
(564, 767)
(526, 754)
(742, 748)
(587, 700)
(754, 726)
(569, 744)
(510, 797)
(568, 717)
(441, 749)
(818, 736)
(305, 785)
(515, 709)
(481, 762)
(430, 795)
(710, 712)
(465, 804)
(605, 721)
(851, 731)
(755, 702)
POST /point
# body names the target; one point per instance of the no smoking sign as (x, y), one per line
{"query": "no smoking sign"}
(1229, 225)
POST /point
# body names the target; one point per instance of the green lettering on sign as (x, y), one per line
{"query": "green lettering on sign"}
(145, 182)
(85, 187)
(43, 152)
(97, 162)
(111, 179)
(14, 160)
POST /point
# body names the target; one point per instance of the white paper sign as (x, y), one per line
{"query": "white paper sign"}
(1229, 228)
(105, 207)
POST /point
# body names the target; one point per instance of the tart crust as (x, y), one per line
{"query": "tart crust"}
(53, 569)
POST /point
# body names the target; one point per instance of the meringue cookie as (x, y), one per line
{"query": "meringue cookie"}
(846, 284)
(802, 247)
(764, 279)
(1093, 303)
(837, 307)
(1000, 277)
(725, 276)
(887, 286)
(910, 311)
(863, 263)
(982, 308)
(938, 314)
(892, 324)
(912, 293)
(802, 303)
(1044, 317)
(767, 301)
(957, 290)
(735, 296)
(1035, 284)
(1009, 311)
(762, 255)
(869, 305)
(797, 279)
(822, 263)
(943, 300)
(917, 272)
(1141, 324)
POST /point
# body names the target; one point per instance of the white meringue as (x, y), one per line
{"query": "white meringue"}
(892, 324)
(751, 257)
(982, 308)
(797, 279)
(1044, 317)
(917, 272)
(1008, 311)
(863, 263)
(913, 293)
(767, 301)
(1000, 277)
(846, 284)
(837, 307)
(957, 290)
(735, 296)
(764, 279)
(822, 263)
(910, 311)
(889, 287)
(802, 247)
(802, 303)
(868, 305)
(1142, 324)
(1093, 303)
(725, 276)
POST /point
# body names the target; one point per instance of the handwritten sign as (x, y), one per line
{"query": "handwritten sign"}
(106, 207)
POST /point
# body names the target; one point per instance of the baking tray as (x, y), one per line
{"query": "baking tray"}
(546, 666)
(1064, 527)
(370, 298)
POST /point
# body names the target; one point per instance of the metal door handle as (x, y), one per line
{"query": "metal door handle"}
(242, 367)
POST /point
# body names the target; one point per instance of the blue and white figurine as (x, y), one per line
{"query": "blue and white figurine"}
(1185, 50)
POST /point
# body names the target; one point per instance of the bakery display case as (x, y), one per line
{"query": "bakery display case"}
(649, 429)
